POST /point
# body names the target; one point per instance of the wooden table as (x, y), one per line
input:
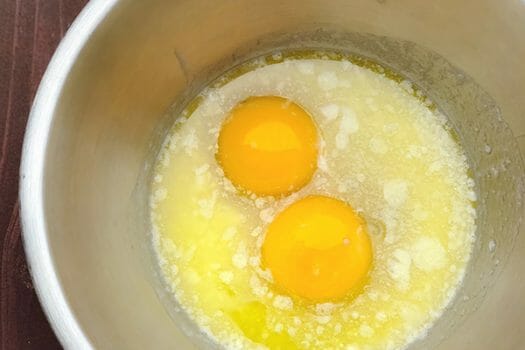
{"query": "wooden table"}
(30, 30)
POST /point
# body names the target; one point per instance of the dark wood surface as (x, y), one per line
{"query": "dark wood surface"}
(30, 30)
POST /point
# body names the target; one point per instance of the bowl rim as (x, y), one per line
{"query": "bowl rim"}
(34, 227)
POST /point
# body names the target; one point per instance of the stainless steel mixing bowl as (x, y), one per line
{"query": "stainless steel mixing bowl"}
(101, 110)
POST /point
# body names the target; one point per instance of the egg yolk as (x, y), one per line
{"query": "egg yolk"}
(318, 248)
(268, 146)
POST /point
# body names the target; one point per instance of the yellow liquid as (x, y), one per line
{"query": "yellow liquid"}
(383, 151)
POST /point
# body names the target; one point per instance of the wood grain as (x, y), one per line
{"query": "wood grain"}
(30, 30)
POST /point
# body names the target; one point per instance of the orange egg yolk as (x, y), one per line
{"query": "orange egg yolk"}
(268, 146)
(318, 248)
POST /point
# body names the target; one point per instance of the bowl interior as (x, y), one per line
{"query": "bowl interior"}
(110, 115)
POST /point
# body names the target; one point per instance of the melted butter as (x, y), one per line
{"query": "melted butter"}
(383, 150)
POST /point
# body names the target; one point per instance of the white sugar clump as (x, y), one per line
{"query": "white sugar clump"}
(254, 261)
(366, 331)
(399, 268)
(193, 276)
(372, 295)
(259, 203)
(189, 253)
(278, 327)
(226, 277)
(174, 269)
(325, 308)
(173, 142)
(330, 111)
(202, 170)
(492, 245)
(389, 217)
(265, 274)
(259, 242)
(347, 126)
(415, 151)
(322, 163)
(240, 258)
(160, 194)
(342, 187)
(327, 80)
(258, 287)
(428, 254)
(266, 215)
(283, 302)
(214, 131)
(169, 247)
(306, 67)
(338, 328)
(323, 319)
(381, 316)
(407, 86)
(229, 233)
(435, 167)
(190, 142)
(395, 192)
(165, 158)
(226, 184)
(410, 313)
(256, 232)
(207, 206)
